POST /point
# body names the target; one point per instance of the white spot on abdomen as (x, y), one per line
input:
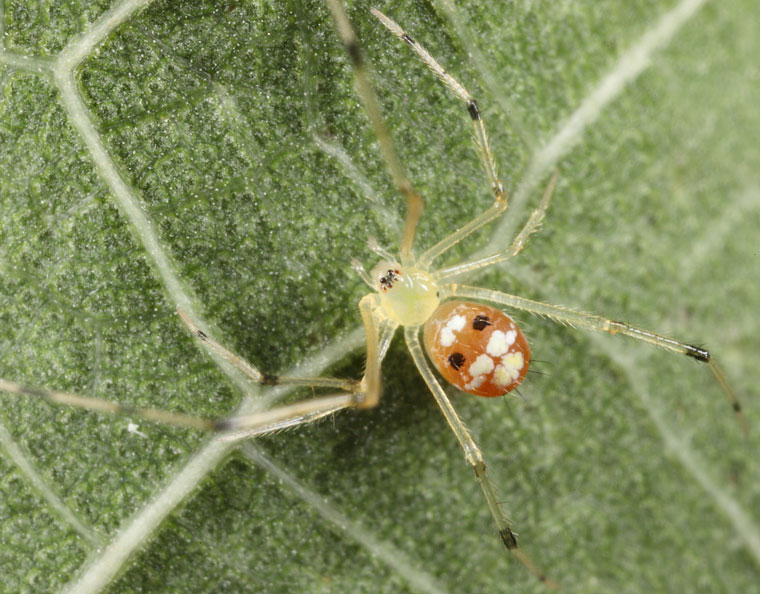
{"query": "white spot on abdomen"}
(447, 337)
(448, 333)
(475, 383)
(456, 323)
(509, 370)
(500, 342)
(482, 365)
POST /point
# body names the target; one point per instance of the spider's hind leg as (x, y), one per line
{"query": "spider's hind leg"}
(473, 456)
(596, 323)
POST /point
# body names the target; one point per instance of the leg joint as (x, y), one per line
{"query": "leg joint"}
(702, 355)
(472, 107)
(508, 538)
(501, 194)
(363, 400)
(269, 380)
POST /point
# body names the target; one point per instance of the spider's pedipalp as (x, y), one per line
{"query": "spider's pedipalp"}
(358, 267)
(376, 248)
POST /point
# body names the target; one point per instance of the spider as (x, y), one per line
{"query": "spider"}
(474, 346)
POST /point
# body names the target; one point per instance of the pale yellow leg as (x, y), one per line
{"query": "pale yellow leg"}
(472, 454)
(600, 324)
(531, 226)
(266, 379)
(363, 394)
(481, 141)
(367, 94)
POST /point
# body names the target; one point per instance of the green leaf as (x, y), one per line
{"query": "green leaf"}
(216, 156)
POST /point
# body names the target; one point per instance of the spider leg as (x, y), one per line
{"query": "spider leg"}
(597, 323)
(368, 97)
(257, 423)
(257, 376)
(379, 331)
(472, 454)
(531, 226)
(483, 147)
(100, 405)
(283, 417)
(363, 394)
(369, 306)
(387, 330)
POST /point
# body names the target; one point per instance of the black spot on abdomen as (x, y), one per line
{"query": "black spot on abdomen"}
(456, 360)
(481, 322)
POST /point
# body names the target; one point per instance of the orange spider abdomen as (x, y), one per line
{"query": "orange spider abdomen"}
(476, 347)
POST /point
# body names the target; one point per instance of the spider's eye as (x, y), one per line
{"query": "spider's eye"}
(390, 277)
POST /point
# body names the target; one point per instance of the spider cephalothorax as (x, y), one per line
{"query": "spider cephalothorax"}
(390, 277)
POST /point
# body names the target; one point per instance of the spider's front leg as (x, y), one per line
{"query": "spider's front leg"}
(483, 149)
(369, 99)
(482, 144)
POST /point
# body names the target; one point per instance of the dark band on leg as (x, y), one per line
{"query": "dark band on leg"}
(408, 39)
(352, 49)
(32, 391)
(697, 353)
(269, 380)
(472, 107)
(224, 425)
(508, 538)
(126, 410)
